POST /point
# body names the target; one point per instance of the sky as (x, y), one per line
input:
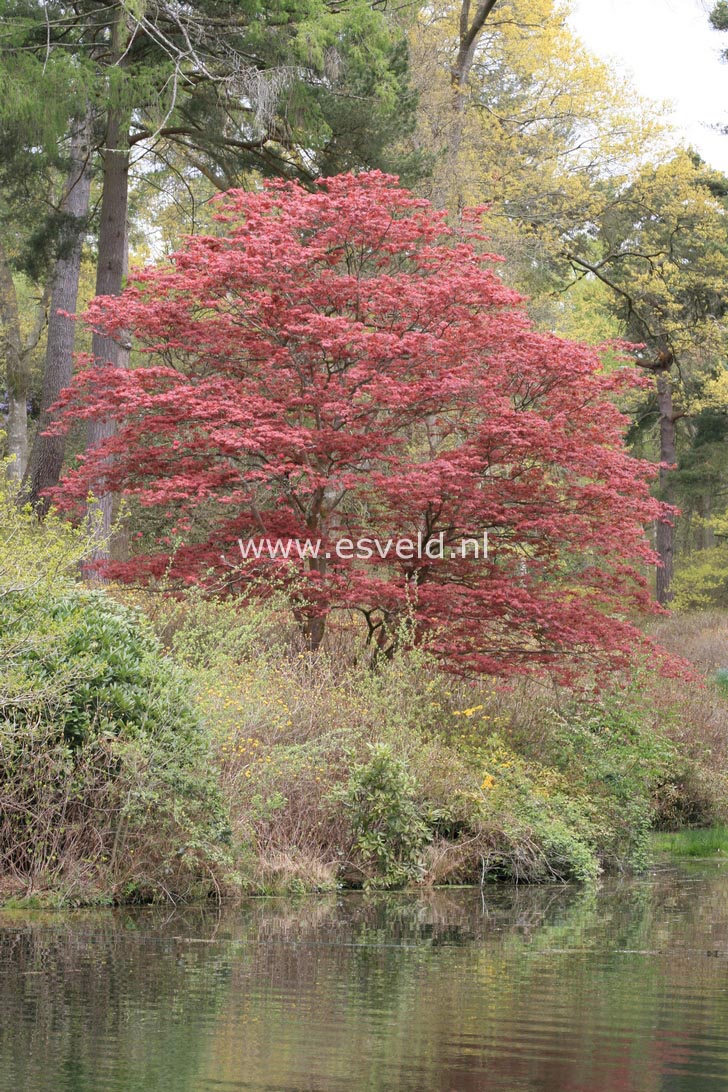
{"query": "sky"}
(673, 53)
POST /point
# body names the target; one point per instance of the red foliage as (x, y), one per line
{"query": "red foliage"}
(339, 363)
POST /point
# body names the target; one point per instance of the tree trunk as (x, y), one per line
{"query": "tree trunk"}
(469, 30)
(16, 381)
(18, 389)
(15, 351)
(47, 455)
(112, 265)
(665, 535)
(313, 631)
(707, 532)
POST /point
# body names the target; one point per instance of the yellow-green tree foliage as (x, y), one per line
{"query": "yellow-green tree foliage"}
(662, 251)
(34, 555)
(662, 246)
(539, 124)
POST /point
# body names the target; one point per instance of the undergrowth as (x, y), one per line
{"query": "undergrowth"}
(334, 773)
(154, 746)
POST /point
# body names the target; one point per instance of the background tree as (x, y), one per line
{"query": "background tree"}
(558, 148)
(719, 15)
(48, 451)
(540, 124)
(284, 88)
(662, 250)
(42, 210)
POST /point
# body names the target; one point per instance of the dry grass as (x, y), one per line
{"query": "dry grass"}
(694, 714)
(697, 712)
(700, 637)
(287, 871)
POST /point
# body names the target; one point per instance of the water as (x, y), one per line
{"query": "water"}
(550, 989)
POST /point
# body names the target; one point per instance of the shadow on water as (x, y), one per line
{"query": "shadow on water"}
(514, 989)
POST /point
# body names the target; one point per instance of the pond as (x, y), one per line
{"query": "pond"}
(514, 989)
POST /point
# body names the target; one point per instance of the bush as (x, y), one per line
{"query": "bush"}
(615, 757)
(501, 816)
(388, 830)
(37, 555)
(106, 779)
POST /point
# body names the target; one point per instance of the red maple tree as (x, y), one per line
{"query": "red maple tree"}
(338, 364)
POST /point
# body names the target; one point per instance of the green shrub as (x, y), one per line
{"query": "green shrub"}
(615, 757)
(501, 816)
(90, 666)
(106, 779)
(34, 555)
(388, 830)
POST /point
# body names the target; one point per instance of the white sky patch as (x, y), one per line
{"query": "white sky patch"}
(671, 52)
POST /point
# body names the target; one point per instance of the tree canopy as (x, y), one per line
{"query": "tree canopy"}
(341, 365)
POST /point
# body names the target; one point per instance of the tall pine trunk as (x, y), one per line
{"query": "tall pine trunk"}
(112, 265)
(18, 422)
(17, 382)
(46, 458)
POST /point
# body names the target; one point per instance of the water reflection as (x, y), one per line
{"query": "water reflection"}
(522, 989)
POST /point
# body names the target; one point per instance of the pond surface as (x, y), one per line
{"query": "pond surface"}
(554, 989)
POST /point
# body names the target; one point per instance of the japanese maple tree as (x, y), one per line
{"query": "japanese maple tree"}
(337, 364)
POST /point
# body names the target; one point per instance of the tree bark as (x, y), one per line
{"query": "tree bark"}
(313, 630)
(707, 533)
(15, 351)
(112, 266)
(48, 452)
(469, 30)
(16, 378)
(18, 390)
(665, 534)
